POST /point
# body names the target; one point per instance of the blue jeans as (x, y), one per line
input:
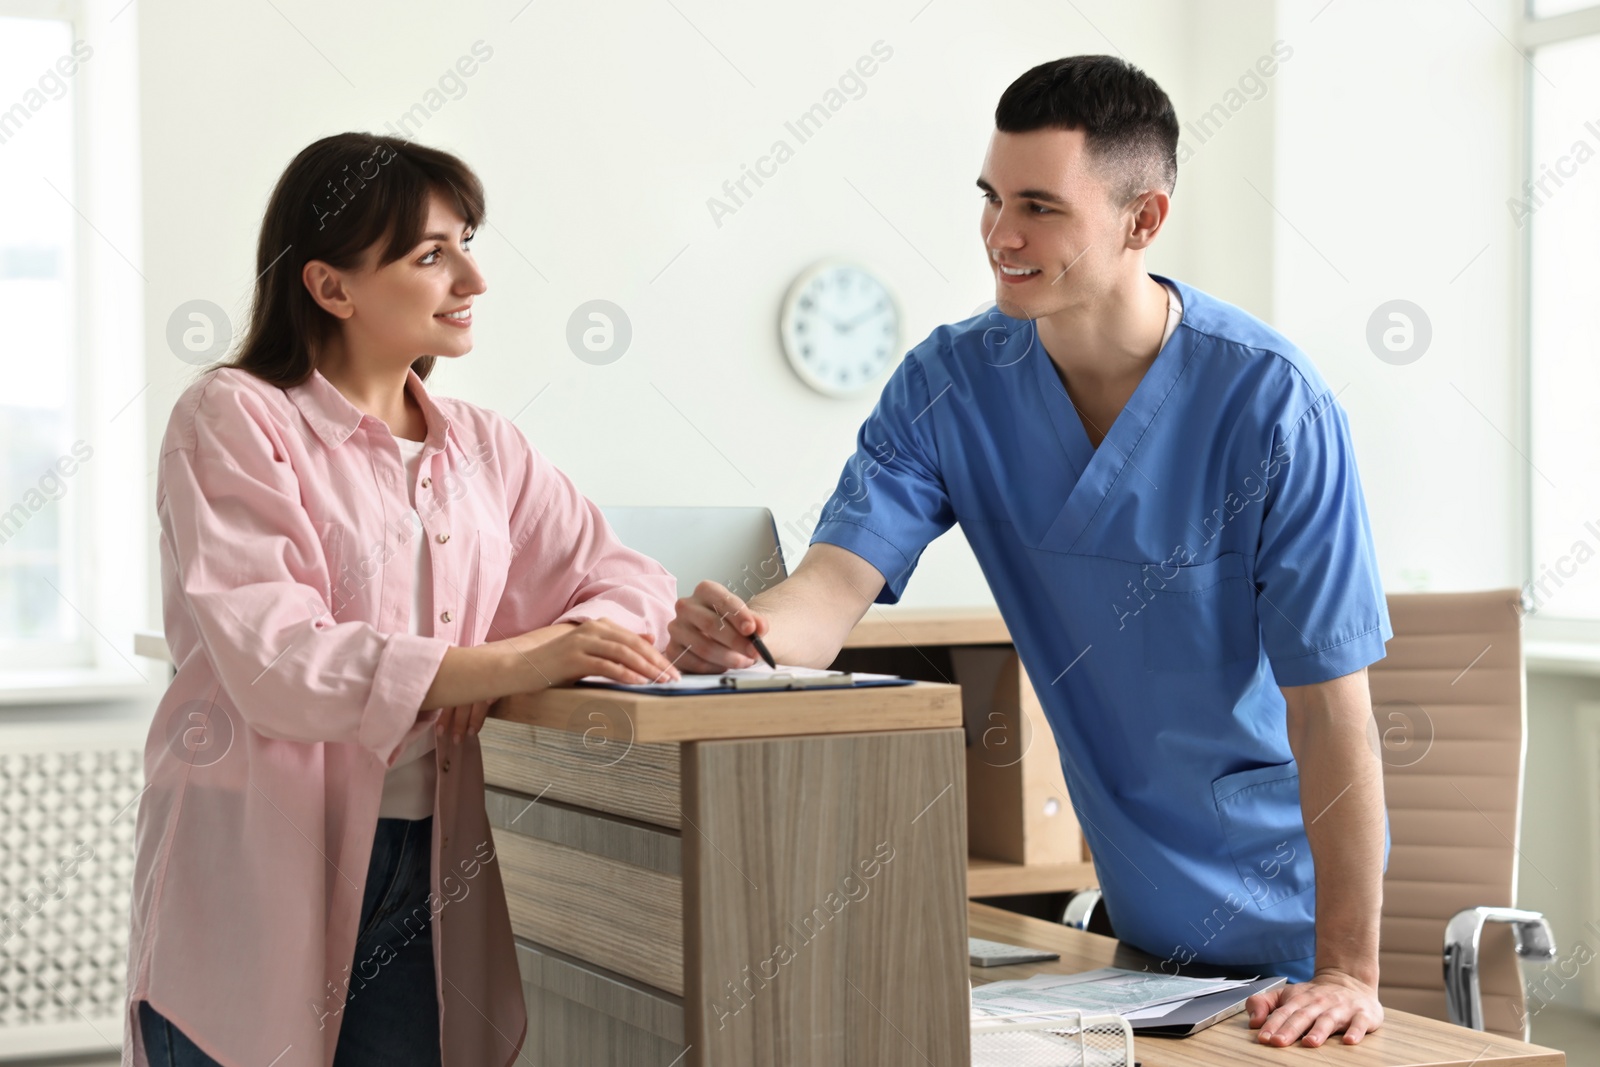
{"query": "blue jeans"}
(391, 1012)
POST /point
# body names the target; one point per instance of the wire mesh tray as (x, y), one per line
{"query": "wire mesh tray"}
(1066, 1039)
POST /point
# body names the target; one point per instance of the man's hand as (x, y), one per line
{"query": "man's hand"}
(710, 633)
(1311, 1012)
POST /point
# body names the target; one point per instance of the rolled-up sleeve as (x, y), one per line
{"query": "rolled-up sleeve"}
(567, 564)
(255, 581)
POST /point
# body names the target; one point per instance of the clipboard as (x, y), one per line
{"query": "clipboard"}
(784, 679)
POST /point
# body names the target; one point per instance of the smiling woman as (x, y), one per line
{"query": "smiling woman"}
(337, 544)
(359, 191)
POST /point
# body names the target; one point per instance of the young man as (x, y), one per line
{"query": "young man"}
(1163, 496)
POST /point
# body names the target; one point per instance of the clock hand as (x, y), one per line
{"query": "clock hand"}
(859, 319)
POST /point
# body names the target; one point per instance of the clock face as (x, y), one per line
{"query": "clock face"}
(840, 328)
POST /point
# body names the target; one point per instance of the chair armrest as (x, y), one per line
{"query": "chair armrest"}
(1534, 941)
(1081, 908)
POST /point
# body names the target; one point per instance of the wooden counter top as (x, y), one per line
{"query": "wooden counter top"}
(615, 714)
(896, 628)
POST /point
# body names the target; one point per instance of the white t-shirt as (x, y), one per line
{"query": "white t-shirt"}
(1174, 312)
(408, 787)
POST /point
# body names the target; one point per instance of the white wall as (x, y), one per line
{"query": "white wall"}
(600, 132)
(1396, 146)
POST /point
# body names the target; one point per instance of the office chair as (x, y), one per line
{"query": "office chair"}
(1449, 701)
(1449, 704)
(735, 546)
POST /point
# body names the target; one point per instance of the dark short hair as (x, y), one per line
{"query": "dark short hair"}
(339, 197)
(1128, 122)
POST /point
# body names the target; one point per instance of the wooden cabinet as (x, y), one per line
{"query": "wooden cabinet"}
(736, 879)
(1021, 832)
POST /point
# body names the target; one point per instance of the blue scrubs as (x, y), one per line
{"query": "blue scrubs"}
(1159, 589)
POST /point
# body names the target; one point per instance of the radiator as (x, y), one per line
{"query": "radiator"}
(68, 799)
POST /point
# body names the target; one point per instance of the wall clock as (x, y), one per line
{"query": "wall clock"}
(840, 327)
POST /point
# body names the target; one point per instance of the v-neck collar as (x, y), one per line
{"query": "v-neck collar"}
(1101, 468)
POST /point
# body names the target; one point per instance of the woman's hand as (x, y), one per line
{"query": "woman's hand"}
(598, 646)
(469, 680)
(467, 719)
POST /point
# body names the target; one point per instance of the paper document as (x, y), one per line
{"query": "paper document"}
(730, 679)
(1109, 990)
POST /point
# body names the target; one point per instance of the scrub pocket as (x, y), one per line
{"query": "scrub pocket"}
(1196, 618)
(1262, 823)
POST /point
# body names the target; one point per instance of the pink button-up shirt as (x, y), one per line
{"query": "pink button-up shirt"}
(286, 588)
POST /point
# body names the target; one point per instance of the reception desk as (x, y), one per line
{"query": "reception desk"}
(736, 879)
(779, 878)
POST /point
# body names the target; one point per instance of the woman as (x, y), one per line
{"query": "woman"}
(352, 570)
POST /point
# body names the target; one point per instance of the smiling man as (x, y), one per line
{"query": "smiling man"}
(1162, 494)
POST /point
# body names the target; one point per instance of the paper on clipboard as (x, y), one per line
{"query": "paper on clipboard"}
(751, 678)
(1109, 989)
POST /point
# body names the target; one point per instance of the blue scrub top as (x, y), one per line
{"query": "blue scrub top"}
(1159, 589)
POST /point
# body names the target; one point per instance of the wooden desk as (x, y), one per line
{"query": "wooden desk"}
(735, 879)
(1404, 1039)
(913, 627)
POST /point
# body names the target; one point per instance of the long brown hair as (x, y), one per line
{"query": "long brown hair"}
(339, 197)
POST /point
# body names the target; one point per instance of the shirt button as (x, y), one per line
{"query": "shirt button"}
(444, 616)
(426, 482)
(442, 538)
(446, 765)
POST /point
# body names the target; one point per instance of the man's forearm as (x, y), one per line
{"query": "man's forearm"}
(1341, 797)
(812, 612)
(806, 629)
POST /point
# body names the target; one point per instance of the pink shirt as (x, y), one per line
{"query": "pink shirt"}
(286, 587)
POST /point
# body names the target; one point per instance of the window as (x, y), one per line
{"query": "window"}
(1558, 211)
(75, 494)
(41, 451)
(1548, 8)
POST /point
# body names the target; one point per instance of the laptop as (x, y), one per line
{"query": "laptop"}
(735, 546)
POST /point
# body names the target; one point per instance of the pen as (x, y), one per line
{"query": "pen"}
(761, 648)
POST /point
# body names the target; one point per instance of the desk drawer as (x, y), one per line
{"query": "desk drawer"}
(602, 889)
(580, 1014)
(639, 781)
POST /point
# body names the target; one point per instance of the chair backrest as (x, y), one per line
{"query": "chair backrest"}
(735, 546)
(1450, 705)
